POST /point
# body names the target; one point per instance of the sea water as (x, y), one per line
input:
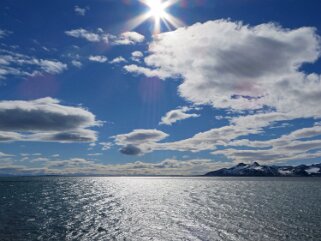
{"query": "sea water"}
(160, 208)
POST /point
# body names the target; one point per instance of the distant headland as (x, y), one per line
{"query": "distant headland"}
(257, 170)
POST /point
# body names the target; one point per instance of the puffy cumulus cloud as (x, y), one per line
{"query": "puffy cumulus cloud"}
(130, 149)
(42, 115)
(118, 60)
(140, 136)
(87, 35)
(51, 67)
(137, 56)
(133, 68)
(45, 120)
(126, 38)
(139, 141)
(76, 63)
(255, 72)
(78, 166)
(16, 64)
(81, 11)
(231, 65)
(177, 115)
(98, 58)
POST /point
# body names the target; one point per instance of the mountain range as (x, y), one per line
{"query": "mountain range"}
(255, 169)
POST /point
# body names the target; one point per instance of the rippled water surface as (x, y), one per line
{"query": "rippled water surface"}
(150, 208)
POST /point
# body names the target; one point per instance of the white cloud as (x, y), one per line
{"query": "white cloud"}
(132, 68)
(73, 163)
(39, 159)
(94, 154)
(9, 136)
(105, 145)
(45, 120)
(87, 35)
(81, 11)
(302, 144)
(177, 115)
(4, 33)
(2, 154)
(98, 58)
(296, 145)
(80, 135)
(52, 67)
(254, 72)
(76, 63)
(118, 60)
(82, 166)
(231, 65)
(137, 56)
(208, 140)
(126, 38)
(16, 64)
(139, 141)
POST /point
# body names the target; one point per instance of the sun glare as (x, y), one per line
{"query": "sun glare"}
(157, 11)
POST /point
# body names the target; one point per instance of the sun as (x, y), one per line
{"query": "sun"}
(157, 9)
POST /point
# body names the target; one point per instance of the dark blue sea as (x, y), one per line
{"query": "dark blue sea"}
(160, 208)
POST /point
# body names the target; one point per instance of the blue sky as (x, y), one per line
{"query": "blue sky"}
(84, 90)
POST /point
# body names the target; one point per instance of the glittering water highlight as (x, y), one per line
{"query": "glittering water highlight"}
(152, 208)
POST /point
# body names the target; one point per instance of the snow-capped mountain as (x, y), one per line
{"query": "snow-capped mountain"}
(256, 169)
